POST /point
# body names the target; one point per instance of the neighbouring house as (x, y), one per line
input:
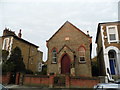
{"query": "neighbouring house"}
(30, 53)
(108, 49)
(69, 52)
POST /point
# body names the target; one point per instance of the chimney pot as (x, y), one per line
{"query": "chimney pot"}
(20, 34)
(88, 33)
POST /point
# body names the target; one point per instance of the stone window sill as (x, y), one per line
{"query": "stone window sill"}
(82, 62)
(53, 62)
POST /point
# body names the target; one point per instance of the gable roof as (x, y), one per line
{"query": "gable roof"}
(71, 25)
(98, 28)
(16, 37)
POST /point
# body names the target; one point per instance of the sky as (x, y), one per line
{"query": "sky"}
(40, 19)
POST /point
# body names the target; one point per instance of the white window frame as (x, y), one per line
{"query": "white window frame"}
(82, 56)
(116, 34)
(7, 44)
(53, 56)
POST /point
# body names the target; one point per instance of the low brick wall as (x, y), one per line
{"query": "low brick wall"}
(83, 82)
(70, 82)
(36, 80)
(5, 78)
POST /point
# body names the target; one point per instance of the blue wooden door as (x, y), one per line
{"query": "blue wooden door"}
(112, 66)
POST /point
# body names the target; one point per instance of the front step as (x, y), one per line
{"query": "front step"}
(116, 77)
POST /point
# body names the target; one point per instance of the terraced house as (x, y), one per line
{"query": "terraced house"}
(30, 53)
(108, 48)
(69, 52)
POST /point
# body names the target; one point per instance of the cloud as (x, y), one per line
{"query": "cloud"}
(59, 1)
(39, 20)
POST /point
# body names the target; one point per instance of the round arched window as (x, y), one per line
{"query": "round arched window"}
(81, 54)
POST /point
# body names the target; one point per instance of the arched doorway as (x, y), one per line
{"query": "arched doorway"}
(112, 61)
(65, 64)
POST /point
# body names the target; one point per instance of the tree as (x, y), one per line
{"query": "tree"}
(4, 55)
(8, 67)
(15, 62)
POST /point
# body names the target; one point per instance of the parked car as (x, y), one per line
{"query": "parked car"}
(108, 86)
(3, 87)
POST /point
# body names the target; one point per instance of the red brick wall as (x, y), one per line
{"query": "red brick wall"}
(76, 82)
(5, 78)
(36, 80)
(83, 82)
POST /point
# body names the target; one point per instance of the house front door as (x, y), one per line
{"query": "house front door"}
(65, 64)
(112, 66)
(112, 62)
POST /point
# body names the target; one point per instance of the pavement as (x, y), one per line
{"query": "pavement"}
(22, 87)
(11, 86)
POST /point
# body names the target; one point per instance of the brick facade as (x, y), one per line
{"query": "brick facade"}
(67, 41)
(105, 46)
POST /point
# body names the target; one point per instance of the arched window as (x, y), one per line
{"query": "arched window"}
(6, 44)
(82, 54)
(54, 56)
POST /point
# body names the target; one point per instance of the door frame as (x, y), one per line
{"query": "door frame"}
(106, 58)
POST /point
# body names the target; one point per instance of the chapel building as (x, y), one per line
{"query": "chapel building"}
(69, 52)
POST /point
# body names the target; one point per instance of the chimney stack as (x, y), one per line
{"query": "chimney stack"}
(7, 32)
(20, 34)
